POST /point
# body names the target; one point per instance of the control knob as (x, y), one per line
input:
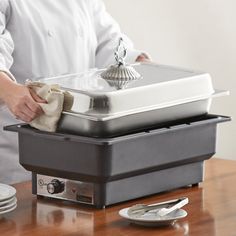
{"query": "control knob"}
(55, 186)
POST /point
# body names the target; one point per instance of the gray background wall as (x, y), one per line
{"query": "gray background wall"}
(193, 34)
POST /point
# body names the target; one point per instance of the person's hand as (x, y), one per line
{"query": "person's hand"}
(143, 58)
(23, 102)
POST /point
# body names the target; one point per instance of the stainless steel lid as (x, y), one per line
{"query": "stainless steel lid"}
(160, 86)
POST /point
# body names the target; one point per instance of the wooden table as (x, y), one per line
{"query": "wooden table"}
(211, 211)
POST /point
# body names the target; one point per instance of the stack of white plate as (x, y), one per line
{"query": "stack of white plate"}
(8, 201)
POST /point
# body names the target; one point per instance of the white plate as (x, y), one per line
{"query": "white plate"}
(8, 210)
(9, 205)
(152, 219)
(8, 201)
(6, 192)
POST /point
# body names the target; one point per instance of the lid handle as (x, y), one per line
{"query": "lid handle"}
(120, 75)
(120, 53)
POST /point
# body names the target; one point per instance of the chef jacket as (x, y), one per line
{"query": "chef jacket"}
(44, 38)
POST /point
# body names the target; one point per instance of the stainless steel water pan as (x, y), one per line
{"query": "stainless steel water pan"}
(163, 94)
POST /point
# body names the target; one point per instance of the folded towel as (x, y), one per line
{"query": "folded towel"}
(57, 101)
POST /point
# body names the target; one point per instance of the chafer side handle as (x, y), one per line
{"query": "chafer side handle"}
(13, 128)
(25, 129)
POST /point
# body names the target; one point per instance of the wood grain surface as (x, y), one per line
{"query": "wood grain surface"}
(211, 211)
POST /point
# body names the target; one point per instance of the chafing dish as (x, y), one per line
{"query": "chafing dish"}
(120, 141)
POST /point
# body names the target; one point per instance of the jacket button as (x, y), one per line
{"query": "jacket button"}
(50, 34)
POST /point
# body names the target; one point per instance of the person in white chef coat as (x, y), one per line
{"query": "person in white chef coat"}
(43, 38)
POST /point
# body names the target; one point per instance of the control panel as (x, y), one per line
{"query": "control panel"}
(65, 189)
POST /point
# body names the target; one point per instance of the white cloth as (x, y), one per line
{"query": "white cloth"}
(56, 99)
(41, 38)
(52, 109)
